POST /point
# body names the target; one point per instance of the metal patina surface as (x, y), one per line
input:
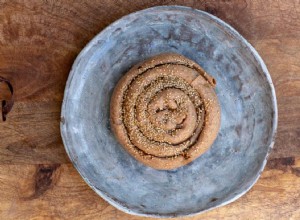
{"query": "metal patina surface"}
(248, 114)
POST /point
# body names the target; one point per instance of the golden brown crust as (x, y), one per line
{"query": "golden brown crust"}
(165, 112)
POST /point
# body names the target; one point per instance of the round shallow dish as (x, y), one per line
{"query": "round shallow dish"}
(248, 114)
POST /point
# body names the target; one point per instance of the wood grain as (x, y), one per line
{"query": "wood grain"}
(39, 41)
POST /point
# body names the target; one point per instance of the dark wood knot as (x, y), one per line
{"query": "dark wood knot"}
(7, 104)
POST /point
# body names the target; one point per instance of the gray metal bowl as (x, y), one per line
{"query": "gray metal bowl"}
(244, 88)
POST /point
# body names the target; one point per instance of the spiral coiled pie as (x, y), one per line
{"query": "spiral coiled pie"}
(165, 112)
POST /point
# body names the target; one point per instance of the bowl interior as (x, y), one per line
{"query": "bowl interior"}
(248, 113)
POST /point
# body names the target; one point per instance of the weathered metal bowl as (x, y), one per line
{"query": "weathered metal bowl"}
(244, 88)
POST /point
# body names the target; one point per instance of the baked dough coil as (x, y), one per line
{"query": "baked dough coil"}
(165, 111)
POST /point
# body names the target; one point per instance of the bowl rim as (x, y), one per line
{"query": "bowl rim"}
(238, 37)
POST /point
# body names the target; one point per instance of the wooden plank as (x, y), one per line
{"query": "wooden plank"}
(32, 136)
(58, 192)
(71, 24)
(282, 59)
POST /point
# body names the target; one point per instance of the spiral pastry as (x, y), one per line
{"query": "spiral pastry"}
(165, 112)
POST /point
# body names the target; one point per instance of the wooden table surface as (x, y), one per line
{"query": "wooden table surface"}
(39, 41)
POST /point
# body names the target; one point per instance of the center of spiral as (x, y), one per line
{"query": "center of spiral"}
(173, 115)
(168, 109)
